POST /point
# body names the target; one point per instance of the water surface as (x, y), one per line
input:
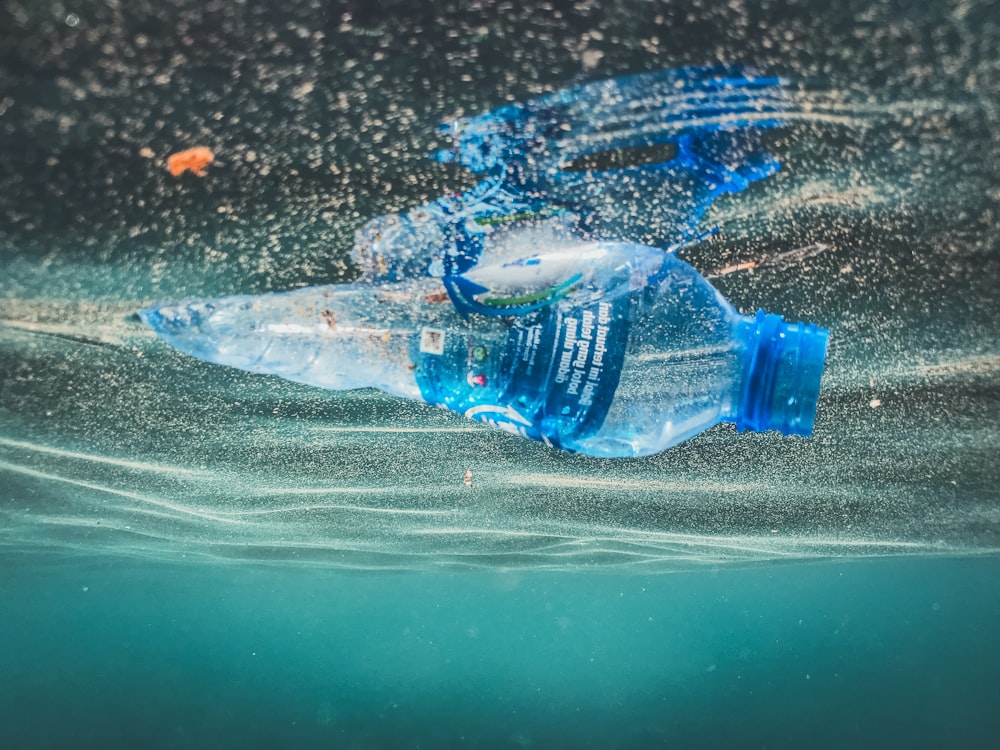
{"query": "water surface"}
(196, 556)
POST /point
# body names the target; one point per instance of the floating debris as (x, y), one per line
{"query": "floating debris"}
(787, 258)
(193, 159)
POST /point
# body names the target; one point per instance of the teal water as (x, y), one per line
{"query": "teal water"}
(192, 556)
(888, 653)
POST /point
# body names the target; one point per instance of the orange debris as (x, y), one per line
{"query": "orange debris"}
(194, 159)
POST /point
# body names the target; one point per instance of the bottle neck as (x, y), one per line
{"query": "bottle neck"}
(782, 368)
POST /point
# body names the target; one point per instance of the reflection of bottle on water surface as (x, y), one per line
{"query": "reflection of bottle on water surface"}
(630, 354)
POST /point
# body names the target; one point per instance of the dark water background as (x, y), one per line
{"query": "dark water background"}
(196, 557)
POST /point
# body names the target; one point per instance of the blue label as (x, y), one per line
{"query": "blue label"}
(553, 379)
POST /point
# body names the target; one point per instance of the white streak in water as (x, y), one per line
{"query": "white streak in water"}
(92, 458)
(144, 499)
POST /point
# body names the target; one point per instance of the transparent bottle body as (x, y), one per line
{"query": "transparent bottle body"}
(664, 354)
(335, 337)
(682, 372)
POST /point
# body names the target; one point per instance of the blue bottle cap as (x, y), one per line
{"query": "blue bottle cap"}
(781, 375)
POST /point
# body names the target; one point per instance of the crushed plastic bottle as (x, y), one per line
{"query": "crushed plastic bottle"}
(522, 303)
(604, 348)
(637, 158)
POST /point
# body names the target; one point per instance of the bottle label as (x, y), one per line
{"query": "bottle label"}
(432, 341)
(553, 379)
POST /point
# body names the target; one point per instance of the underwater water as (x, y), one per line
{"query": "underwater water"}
(195, 556)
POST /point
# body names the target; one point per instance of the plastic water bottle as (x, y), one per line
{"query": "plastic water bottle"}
(603, 348)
